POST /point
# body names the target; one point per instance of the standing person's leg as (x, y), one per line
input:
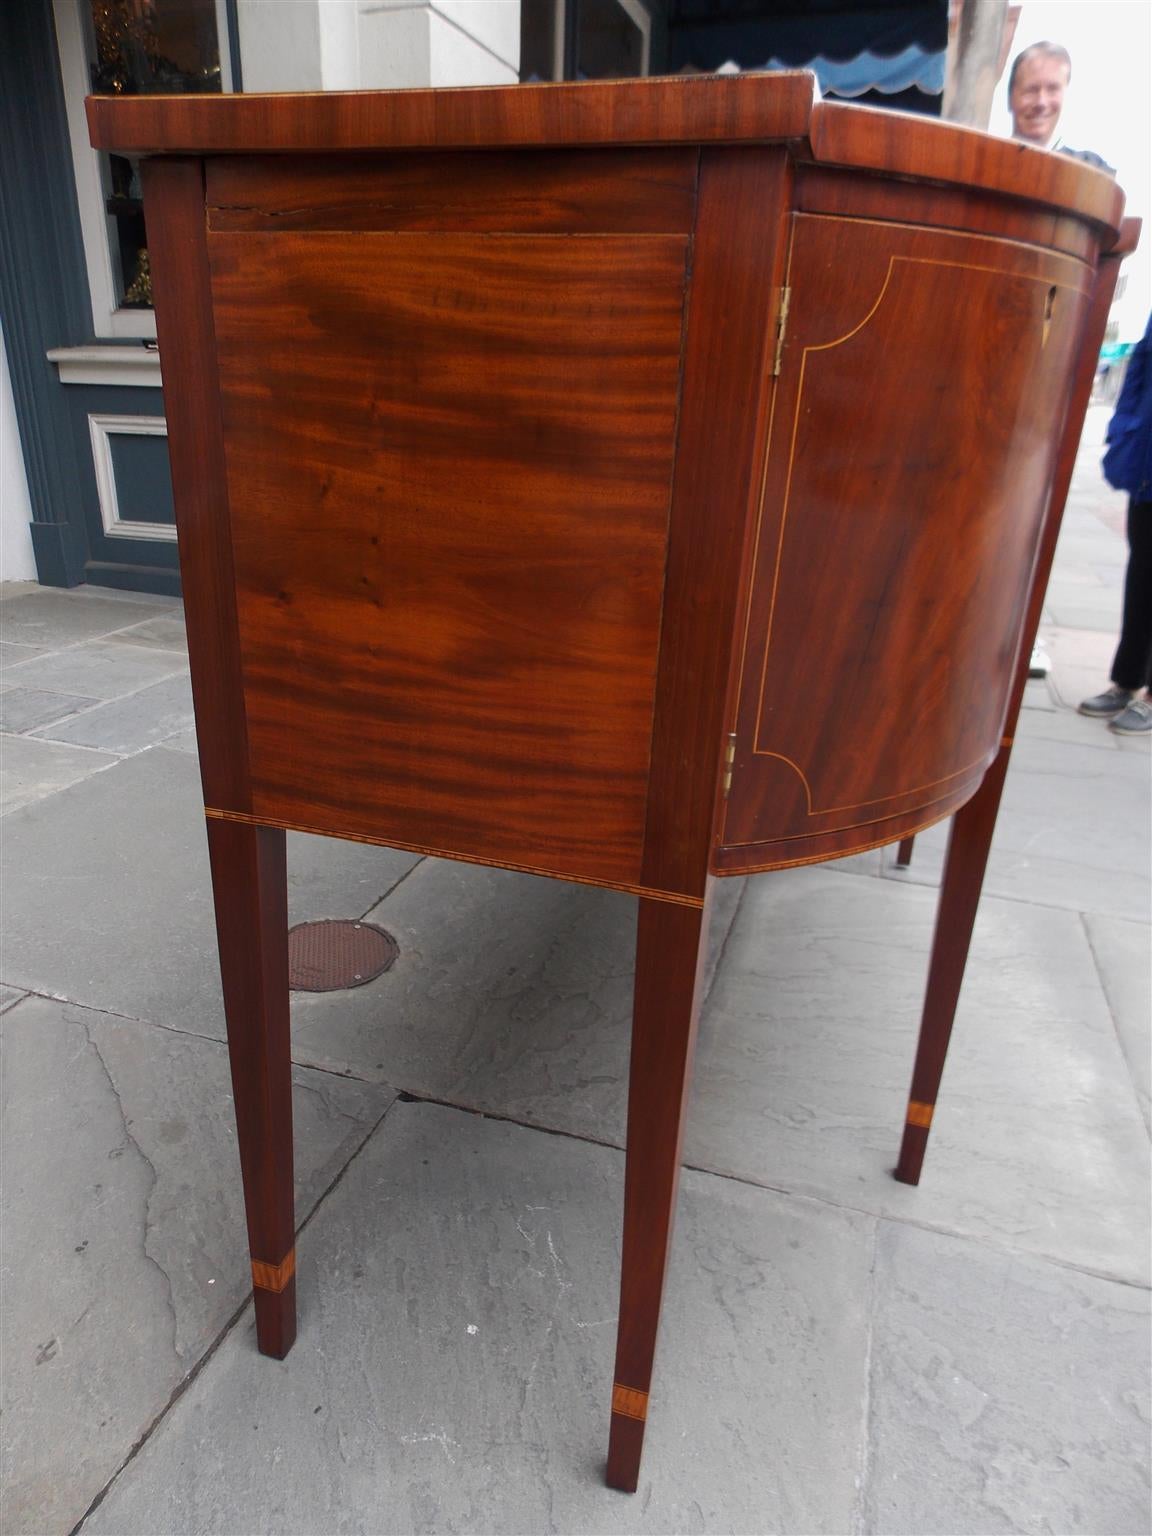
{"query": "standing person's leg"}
(1132, 664)
(1132, 667)
(1133, 660)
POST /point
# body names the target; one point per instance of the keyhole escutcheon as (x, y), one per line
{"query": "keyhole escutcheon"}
(1049, 305)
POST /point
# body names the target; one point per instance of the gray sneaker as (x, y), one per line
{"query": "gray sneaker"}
(1136, 720)
(1102, 706)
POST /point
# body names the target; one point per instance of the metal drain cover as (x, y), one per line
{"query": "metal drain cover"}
(330, 955)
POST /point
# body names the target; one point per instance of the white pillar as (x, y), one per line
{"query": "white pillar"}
(475, 42)
(280, 44)
(345, 45)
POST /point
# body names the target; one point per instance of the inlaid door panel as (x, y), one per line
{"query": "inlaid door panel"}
(449, 462)
(919, 402)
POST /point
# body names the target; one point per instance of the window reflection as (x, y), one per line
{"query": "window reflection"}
(141, 48)
(147, 46)
(609, 41)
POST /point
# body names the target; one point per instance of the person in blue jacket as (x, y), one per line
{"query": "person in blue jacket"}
(1128, 467)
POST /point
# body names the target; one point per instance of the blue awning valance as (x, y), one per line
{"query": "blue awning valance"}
(854, 49)
(911, 69)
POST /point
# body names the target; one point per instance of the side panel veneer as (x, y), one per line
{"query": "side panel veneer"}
(450, 460)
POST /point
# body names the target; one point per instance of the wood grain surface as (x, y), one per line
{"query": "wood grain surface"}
(967, 210)
(449, 467)
(927, 150)
(571, 192)
(727, 110)
(915, 429)
(677, 110)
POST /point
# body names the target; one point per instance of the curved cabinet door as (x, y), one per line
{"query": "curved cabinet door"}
(920, 400)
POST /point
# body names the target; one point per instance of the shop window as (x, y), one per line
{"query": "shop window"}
(130, 48)
(585, 39)
(136, 48)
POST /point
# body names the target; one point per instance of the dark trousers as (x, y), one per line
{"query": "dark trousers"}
(1132, 668)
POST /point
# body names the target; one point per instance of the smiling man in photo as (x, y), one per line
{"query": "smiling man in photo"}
(1036, 88)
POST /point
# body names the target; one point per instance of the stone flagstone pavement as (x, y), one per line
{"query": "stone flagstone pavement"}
(841, 1354)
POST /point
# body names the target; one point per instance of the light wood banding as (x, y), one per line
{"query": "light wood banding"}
(274, 1277)
(630, 1402)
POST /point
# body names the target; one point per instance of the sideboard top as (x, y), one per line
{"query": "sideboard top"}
(700, 109)
(705, 110)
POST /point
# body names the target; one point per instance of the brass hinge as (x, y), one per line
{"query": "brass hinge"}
(781, 327)
(729, 759)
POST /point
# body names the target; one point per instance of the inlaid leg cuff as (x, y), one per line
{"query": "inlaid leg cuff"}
(632, 1403)
(274, 1277)
(920, 1114)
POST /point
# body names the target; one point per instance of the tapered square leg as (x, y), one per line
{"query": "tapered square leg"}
(963, 880)
(250, 887)
(669, 959)
(974, 823)
(904, 852)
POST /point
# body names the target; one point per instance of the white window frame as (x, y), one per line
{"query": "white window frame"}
(102, 426)
(635, 10)
(641, 19)
(97, 228)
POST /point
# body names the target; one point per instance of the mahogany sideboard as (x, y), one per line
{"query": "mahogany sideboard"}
(634, 483)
